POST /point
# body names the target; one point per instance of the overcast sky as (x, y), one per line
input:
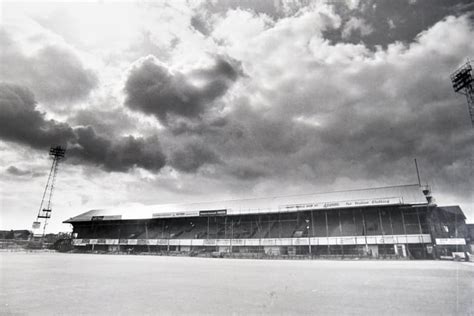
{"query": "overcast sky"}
(171, 102)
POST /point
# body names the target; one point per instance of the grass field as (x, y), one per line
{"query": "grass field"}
(75, 284)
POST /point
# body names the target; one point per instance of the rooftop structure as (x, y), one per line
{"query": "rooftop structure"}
(394, 195)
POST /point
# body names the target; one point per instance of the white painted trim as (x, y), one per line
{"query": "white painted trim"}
(302, 241)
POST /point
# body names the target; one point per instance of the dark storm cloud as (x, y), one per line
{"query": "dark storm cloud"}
(21, 122)
(205, 126)
(53, 73)
(325, 124)
(391, 21)
(242, 144)
(153, 89)
(104, 119)
(191, 156)
(117, 155)
(246, 171)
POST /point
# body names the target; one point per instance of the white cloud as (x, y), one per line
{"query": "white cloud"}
(358, 25)
(238, 26)
(353, 4)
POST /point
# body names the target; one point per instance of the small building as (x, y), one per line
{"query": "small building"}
(397, 221)
(449, 231)
(22, 234)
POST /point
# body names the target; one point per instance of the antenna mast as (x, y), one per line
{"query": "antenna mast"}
(44, 212)
(417, 173)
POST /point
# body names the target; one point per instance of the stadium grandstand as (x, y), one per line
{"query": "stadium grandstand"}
(396, 221)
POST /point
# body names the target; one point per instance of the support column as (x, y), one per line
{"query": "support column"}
(419, 222)
(355, 231)
(421, 233)
(279, 225)
(364, 226)
(225, 227)
(390, 220)
(405, 231)
(391, 227)
(119, 231)
(340, 229)
(168, 240)
(383, 231)
(312, 229)
(146, 236)
(231, 232)
(327, 230)
(309, 234)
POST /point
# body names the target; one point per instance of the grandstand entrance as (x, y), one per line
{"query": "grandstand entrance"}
(417, 251)
(400, 250)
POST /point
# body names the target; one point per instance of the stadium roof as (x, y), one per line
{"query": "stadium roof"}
(455, 210)
(394, 195)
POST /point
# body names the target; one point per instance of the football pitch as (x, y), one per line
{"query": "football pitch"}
(88, 284)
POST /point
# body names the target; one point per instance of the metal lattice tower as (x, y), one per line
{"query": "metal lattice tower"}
(44, 212)
(463, 83)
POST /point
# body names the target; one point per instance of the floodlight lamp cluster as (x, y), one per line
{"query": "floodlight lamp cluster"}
(57, 152)
(462, 77)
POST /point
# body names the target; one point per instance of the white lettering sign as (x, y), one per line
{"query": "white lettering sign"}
(342, 204)
(175, 214)
(450, 241)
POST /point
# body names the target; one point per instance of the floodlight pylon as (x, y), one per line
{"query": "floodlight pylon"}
(44, 212)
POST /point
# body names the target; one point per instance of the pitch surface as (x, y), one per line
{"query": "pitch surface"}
(74, 284)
